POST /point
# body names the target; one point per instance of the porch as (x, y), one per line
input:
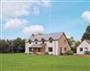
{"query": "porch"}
(37, 49)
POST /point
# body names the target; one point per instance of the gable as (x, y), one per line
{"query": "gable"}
(63, 42)
(84, 44)
(88, 41)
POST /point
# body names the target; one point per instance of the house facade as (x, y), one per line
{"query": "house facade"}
(83, 47)
(54, 44)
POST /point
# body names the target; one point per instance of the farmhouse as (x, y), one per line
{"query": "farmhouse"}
(83, 47)
(53, 43)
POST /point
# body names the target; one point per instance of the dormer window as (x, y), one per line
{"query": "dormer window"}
(43, 40)
(50, 39)
(36, 41)
(30, 41)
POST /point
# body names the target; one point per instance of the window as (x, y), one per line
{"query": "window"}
(30, 41)
(36, 41)
(50, 49)
(81, 49)
(39, 49)
(50, 39)
(86, 48)
(30, 49)
(43, 40)
(65, 49)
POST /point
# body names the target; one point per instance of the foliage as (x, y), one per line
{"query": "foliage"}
(8, 46)
(86, 35)
(70, 52)
(87, 52)
(4, 46)
(73, 43)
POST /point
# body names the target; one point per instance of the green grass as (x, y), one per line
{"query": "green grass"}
(25, 62)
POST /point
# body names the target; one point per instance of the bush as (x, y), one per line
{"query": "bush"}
(46, 53)
(87, 52)
(70, 52)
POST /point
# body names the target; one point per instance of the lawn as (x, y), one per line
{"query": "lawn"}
(26, 62)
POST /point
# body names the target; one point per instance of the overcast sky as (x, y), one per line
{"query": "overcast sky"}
(21, 18)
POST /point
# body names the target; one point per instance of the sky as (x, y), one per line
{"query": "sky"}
(21, 18)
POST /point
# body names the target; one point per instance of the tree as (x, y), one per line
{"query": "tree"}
(73, 44)
(8, 46)
(86, 35)
(4, 46)
(19, 45)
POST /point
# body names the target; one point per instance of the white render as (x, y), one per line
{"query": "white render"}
(58, 40)
(83, 45)
(54, 46)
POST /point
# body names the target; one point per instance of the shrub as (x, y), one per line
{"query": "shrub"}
(46, 53)
(70, 52)
(87, 52)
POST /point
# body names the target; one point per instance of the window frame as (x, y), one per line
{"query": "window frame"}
(50, 39)
(50, 49)
(36, 41)
(43, 40)
(30, 49)
(30, 41)
(39, 49)
(81, 49)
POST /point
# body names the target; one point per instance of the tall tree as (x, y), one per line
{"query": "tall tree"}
(73, 43)
(4, 46)
(19, 45)
(86, 35)
(7, 46)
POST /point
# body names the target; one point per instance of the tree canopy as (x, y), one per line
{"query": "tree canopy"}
(7, 46)
(86, 35)
(73, 43)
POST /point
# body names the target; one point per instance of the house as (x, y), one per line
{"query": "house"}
(83, 47)
(53, 43)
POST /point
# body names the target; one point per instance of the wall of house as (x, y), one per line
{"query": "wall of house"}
(27, 47)
(83, 45)
(63, 44)
(54, 46)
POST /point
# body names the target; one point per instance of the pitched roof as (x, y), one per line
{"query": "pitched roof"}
(46, 36)
(88, 41)
(37, 45)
